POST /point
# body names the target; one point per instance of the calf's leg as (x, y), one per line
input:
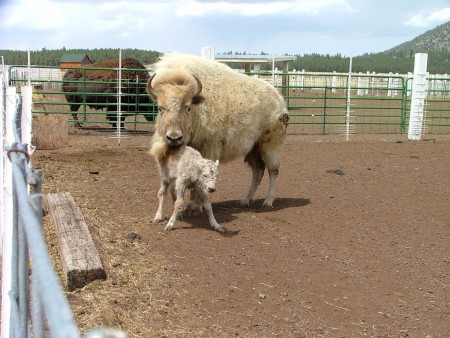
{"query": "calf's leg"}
(208, 207)
(178, 207)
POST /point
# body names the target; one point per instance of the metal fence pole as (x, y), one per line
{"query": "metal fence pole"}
(7, 238)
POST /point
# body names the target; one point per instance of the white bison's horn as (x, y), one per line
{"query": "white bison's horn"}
(199, 86)
(150, 89)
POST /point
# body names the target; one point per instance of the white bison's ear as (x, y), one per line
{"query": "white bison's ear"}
(217, 163)
(198, 99)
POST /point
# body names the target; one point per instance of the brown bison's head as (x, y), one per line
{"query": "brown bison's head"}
(175, 92)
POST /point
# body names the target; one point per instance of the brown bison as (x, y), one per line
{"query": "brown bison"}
(219, 112)
(96, 86)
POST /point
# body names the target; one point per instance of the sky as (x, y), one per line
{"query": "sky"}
(296, 27)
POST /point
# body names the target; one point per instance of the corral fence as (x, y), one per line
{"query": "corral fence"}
(33, 301)
(94, 103)
(319, 103)
(370, 103)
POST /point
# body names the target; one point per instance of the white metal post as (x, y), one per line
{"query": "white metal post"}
(119, 100)
(359, 91)
(8, 214)
(333, 82)
(349, 88)
(27, 101)
(2, 154)
(419, 93)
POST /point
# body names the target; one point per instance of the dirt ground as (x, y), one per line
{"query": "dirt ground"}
(357, 243)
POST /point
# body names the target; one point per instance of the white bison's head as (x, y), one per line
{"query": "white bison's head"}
(174, 92)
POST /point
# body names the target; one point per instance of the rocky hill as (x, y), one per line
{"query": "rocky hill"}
(434, 40)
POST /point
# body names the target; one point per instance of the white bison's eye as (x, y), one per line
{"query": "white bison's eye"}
(160, 110)
(187, 109)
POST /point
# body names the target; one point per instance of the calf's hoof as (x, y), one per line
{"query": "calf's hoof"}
(245, 202)
(168, 227)
(268, 204)
(158, 218)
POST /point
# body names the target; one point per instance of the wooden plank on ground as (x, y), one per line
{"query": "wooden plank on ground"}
(80, 259)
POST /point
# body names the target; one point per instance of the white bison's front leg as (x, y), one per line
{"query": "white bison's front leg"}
(161, 194)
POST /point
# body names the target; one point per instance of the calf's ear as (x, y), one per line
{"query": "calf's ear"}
(217, 163)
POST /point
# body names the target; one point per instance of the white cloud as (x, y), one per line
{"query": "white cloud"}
(33, 14)
(429, 19)
(243, 8)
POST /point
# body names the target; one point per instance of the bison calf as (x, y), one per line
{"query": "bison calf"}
(184, 168)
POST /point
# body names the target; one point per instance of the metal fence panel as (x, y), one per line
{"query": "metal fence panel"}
(87, 105)
(317, 102)
(26, 312)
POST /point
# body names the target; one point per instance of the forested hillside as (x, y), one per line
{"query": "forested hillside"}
(400, 59)
(438, 63)
(50, 57)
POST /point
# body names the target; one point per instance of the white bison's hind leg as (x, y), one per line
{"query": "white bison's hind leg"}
(273, 174)
(271, 155)
(256, 163)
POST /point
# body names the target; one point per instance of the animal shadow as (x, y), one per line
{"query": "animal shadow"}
(256, 205)
(226, 211)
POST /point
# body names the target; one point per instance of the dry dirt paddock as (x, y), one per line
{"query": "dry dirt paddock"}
(357, 243)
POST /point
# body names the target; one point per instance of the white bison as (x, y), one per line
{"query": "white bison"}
(184, 168)
(221, 113)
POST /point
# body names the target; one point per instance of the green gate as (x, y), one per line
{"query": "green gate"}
(331, 103)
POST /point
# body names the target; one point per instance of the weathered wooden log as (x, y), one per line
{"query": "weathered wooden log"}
(80, 259)
(50, 131)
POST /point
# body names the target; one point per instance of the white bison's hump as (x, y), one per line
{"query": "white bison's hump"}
(175, 60)
(216, 76)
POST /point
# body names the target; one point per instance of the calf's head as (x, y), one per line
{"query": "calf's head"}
(175, 92)
(209, 171)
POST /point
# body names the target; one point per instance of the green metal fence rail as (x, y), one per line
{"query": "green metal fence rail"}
(318, 103)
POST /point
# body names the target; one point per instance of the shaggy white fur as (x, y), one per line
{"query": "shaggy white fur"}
(221, 113)
(184, 168)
